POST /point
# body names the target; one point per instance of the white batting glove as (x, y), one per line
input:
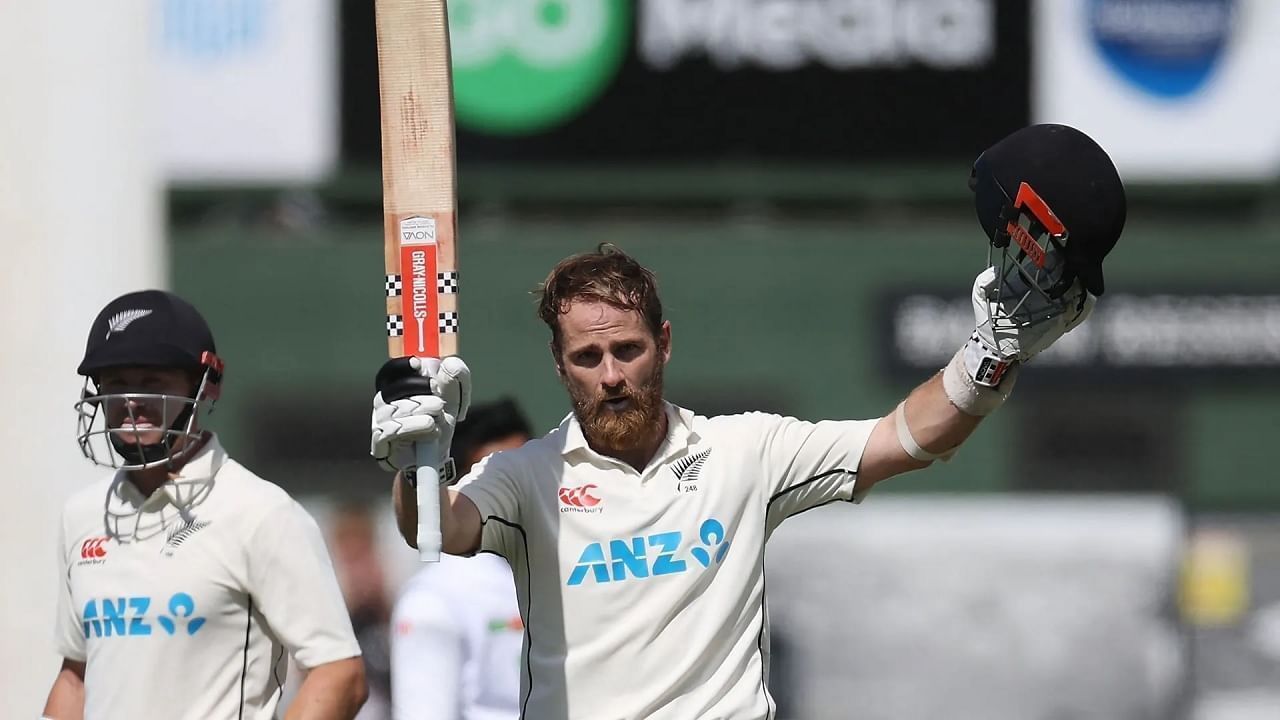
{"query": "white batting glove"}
(415, 416)
(399, 424)
(981, 375)
(1017, 341)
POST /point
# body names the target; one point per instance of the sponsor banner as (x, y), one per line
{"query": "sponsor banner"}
(589, 81)
(247, 89)
(1223, 335)
(1173, 89)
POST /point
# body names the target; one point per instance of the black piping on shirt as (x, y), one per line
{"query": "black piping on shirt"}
(244, 668)
(528, 593)
(763, 579)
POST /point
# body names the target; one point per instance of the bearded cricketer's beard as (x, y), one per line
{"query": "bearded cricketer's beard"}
(610, 431)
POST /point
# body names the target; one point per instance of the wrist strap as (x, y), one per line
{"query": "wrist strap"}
(984, 366)
(448, 474)
(977, 381)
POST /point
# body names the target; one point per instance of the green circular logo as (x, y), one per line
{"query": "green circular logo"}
(521, 66)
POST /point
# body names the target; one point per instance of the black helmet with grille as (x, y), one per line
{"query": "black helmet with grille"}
(1073, 182)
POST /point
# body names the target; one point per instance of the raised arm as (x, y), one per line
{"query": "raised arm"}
(422, 401)
(936, 425)
(932, 422)
(460, 525)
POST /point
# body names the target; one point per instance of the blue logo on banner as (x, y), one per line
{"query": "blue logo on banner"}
(1169, 48)
(214, 29)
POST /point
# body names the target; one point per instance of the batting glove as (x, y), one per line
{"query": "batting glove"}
(1022, 341)
(999, 344)
(417, 400)
(983, 372)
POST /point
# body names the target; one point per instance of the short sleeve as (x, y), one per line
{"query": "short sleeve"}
(493, 485)
(293, 585)
(808, 464)
(69, 639)
(427, 653)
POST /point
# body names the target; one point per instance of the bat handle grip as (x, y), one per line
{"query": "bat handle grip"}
(428, 492)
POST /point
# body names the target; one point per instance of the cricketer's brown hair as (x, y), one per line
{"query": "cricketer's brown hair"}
(607, 275)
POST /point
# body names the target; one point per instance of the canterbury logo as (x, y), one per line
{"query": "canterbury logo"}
(579, 496)
(180, 536)
(686, 469)
(92, 548)
(122, 320)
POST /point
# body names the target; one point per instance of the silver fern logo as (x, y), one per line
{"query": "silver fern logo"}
(182, 534)
(122, 320)
(687, 470)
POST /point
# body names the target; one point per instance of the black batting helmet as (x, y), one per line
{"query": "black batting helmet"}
(1071, 174)
(146, 329)
(149, 328)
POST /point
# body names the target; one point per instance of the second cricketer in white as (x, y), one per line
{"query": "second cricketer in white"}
(184, 578)
(636, 529)
(211, 606)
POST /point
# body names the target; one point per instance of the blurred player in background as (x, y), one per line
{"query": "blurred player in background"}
(353, 542)
(457, 626)
(185, 579)
(636, 529)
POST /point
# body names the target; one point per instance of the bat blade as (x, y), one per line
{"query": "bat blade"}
(419, 203)
(419, 197)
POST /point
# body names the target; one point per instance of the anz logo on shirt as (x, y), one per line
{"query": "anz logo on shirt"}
(650, 556)
(127, 616)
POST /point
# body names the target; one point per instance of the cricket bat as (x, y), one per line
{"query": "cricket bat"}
(419, 204)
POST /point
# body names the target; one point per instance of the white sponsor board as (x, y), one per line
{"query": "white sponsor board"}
(1175, 90)
(247, 89)
(783, 35)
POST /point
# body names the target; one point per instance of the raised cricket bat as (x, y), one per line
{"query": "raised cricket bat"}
(419, 203)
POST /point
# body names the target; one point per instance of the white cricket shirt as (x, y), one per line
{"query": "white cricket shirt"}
(190, 618)
(455, 642)
(643, 592)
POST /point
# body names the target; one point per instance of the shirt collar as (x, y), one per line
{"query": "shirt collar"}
(199, 470)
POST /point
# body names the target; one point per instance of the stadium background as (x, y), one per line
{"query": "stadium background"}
(793, 199)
